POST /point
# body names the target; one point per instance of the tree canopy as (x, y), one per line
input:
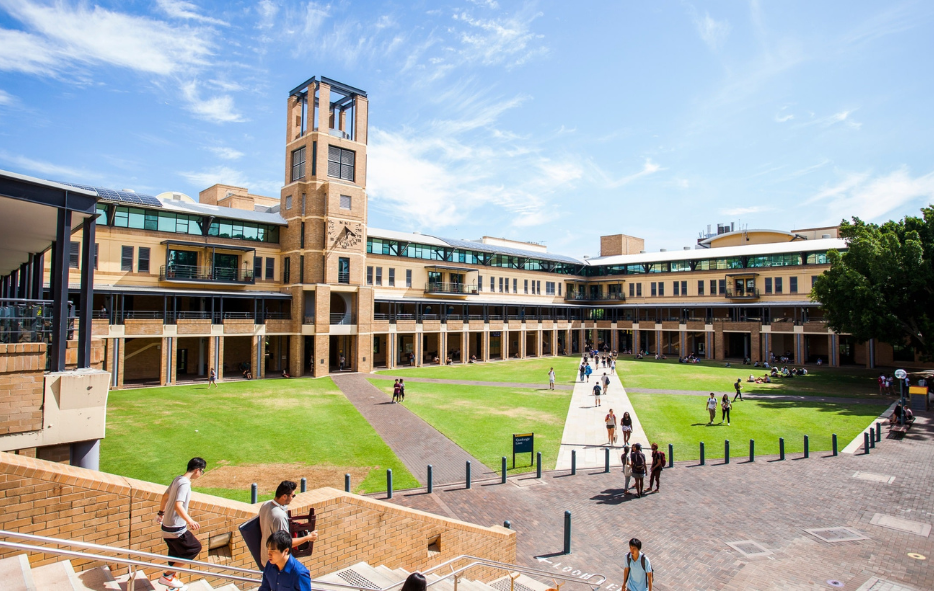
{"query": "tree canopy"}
(882, 286)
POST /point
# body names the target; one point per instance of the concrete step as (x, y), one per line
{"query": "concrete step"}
(229, 587)
(98, 579)
(141, 584)
(391, 574)
(445, 585)
(356, 574)
(523, 583)
(200, 585)
(382, 579)
(56, 576)
(15, 574)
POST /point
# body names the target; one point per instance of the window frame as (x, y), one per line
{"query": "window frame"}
(127, 254)
(140, 259)
(298, 166)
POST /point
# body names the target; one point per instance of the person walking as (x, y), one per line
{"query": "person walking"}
(712, 407)
(613, 365)
(395, 392)
(627, 469)
(725, 406)
(401, 390)
(341, 362)
(739, 389)
(551, 379)
(274, 516)
(283, 572)
(177, 524)
(638, 573)
(212, 378)
(587, 371)
(658, 463)
(610, 421)
(625, 425)
(596, 393)
(581, 370)
(637, 458)
(606, 383)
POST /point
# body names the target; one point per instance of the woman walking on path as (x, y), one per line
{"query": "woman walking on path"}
(587, 371)
(627, 469)
(625, 425)
(610, 421)
(395, 392)
(725, 406)
(401, 391)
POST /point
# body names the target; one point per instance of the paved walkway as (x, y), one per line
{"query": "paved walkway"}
(585, 429)
(884, 497)
(539, 386)
(412, 439)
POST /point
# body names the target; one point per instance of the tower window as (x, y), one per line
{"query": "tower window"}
(288, 202)
(298, 164)
(345, 201)
(341, 163)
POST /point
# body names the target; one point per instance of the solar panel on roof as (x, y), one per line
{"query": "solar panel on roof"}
(479, 246)
(119, 196)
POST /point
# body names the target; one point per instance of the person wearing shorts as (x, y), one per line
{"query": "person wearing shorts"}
(596, 393)
(625, 425)
(177, 524)
(551, 379)
(610, 421)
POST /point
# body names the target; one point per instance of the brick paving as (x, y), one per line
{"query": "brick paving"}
(685, 528)
(417, 443)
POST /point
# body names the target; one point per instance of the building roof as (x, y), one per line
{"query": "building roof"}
(722, 253)
(791, 235)
(405, 237)
(225, 212)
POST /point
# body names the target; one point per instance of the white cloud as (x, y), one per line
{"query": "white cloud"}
(267, 13)
(711, 31)
(217, 109)
(783, 118)
(230, 176)
(6, 98)
(872, 198)
(648, 168)
(841, 117)
(226, 153)
(314, 18)
(49, 170)
(507, 40)
(186, 10)
(745, 210)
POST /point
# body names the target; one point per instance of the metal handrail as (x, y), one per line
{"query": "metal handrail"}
(477, 561)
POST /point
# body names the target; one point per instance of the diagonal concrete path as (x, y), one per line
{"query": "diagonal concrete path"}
(585, 429)
(417, 443)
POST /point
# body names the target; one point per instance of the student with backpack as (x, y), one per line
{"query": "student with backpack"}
(606, 382)
(638, 574)
(658, 463)
(637, 459)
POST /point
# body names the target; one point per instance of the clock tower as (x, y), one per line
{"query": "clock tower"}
(324, 247)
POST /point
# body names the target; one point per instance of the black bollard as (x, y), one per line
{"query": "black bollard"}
(253, 493)
(752, 450)
(304, 487)
(701, 453)
(431, 484)
(468, 473)
(781, 448)
(866, 442)
(671, 456)
(573, 462)
(538, 465)
(872, 437)
(807, 450)
(504, 470)
(878, 431)
(346, 482)
(567, 532)
(606, 461)
(388, 483)
(726, 451)
(507, 524)
(833, 441)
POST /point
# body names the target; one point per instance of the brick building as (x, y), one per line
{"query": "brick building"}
(298, 282)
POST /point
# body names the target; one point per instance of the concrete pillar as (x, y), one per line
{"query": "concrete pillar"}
(465, 345)
(505, 346)
(539, 334)
(418, 345)
(682, 343)
(322, 354)
(718, 349)
(614, 340)
(582, 340)
(799, 348)
(486, 345)
(523, 344)
(754, 346)
(636, 339)
(120, 359)
(296, 355)
(86, 454)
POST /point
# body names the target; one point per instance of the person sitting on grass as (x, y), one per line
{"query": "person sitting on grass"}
(283, 572)
(285, 374)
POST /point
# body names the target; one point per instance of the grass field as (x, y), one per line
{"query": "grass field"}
(525, 371)
(682, 421)
(662, 375)
(483, 420)
(266, 430)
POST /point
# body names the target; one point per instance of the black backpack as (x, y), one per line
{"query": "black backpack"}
(638, 462)
(641, 559)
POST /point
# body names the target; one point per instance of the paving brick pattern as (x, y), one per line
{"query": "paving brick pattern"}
(417, 443)
(685, 528)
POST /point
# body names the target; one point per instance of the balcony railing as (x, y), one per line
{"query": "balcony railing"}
(600, 297)
(453, 288)
(196, 273)
(342, 318)
(747, 294)
(343, 277)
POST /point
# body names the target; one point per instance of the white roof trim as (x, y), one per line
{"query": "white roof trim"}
(53, 184)
(724, 252)
(405, 237)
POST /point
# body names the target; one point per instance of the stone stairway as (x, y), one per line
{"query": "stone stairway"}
(17, 575)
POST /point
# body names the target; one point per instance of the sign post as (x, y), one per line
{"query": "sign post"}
(522, 443)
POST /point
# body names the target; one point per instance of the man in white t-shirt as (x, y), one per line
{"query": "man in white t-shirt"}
(712, 407)
(551, 379)
(273, 517)
(177, 524)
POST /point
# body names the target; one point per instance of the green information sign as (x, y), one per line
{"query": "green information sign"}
(522, 443)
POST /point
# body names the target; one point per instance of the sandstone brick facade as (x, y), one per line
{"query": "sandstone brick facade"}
(21, 387)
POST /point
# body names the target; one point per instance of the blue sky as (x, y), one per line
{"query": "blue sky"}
(546, 121)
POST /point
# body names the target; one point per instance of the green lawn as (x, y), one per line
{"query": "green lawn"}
(682, 421)
(153, 432)
(714, 376)
(482, 420)
(525, 371)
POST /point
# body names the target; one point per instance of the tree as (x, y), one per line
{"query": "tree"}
(882, 286)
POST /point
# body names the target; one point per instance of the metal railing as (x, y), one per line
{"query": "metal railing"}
(600, 297)
(457, 288)
(748, 294)
(160, 562)
(342, 318)
(343, 277)
(29, 321)
(197, 273)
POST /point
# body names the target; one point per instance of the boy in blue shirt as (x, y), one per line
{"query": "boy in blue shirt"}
(638, 573)
(283, 572)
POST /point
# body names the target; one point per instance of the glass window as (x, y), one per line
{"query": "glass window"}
(341, 163)
(515, 284)
(257, 267)
(142, 264)
(778, 285)
(298, 164)
(379, 275)
(286, 269)
(632, 289)
(677, 266)
(126, 258)
(288, 202)
(793, 284)
(684, 288)
(654, 289)
(392, 277)
(661, 288)
(700, 287)
(817, 258)
(270, 268)
(768, 285)
(408, 277)
(250, 232)
(722, 286)
(102, 214)
(639, 290)
(166, 222)
(74, 253)
(345, 201)
(369, 275)
(677, 289)
(343, 270)
(526, 286)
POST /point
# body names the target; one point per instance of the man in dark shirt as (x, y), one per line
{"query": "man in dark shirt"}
(283, 572)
